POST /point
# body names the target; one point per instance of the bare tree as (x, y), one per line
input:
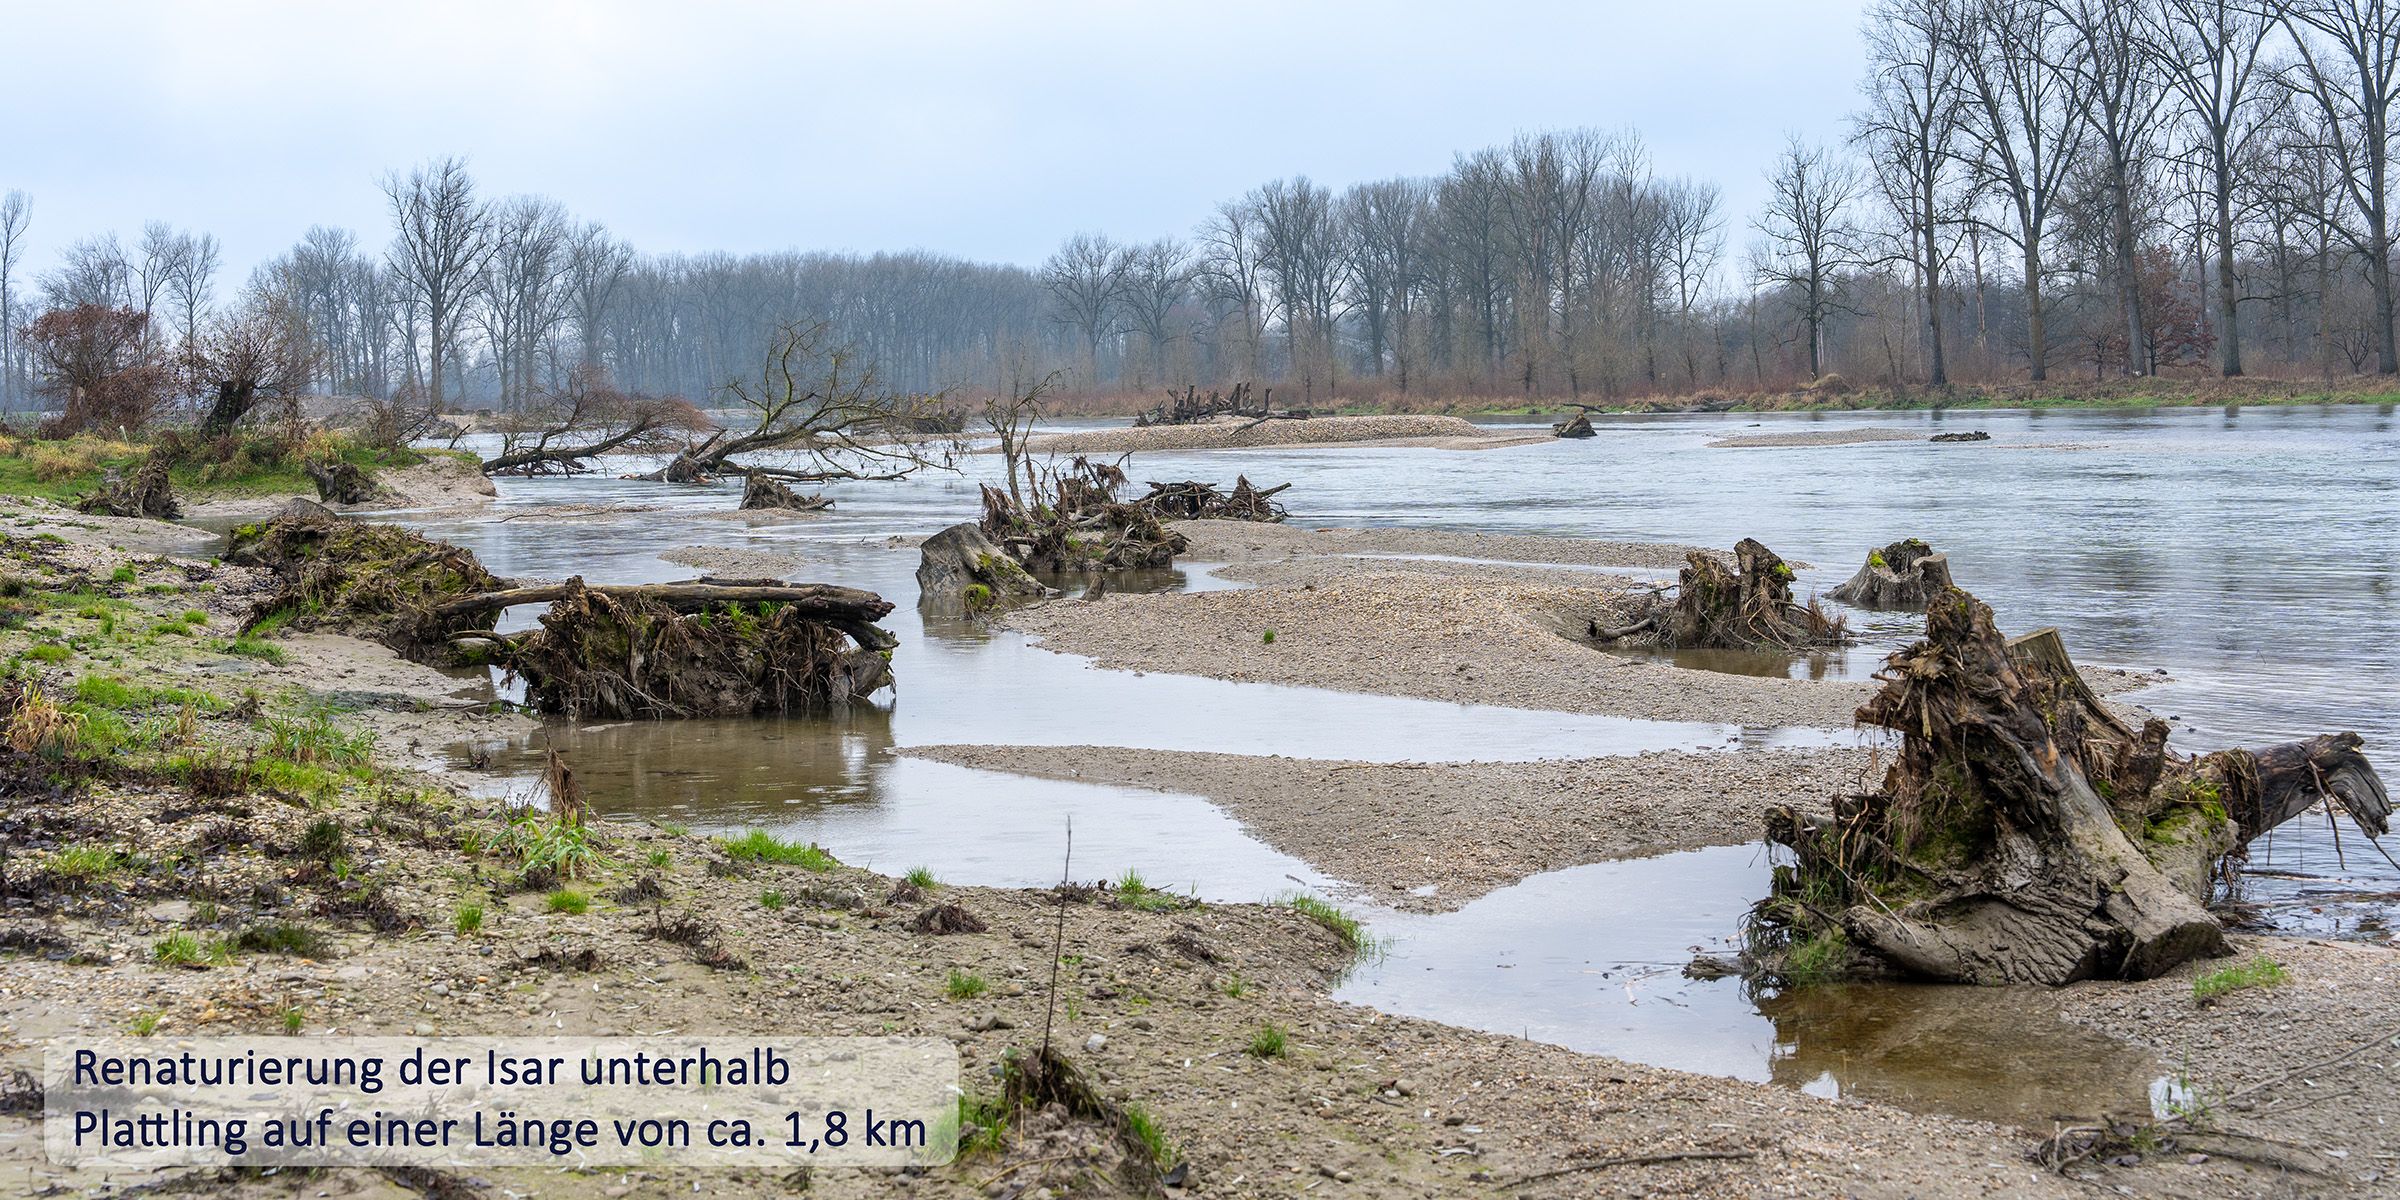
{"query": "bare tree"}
(2123, 96)
(16, 212)
(522, 288)
(91, 274)
(1086, 280)
(1910, 128)
(442, 238)
(192, 283)
(1157, 278)
(1694, 244)
(560, 431)
(1386, 227)
(2026, 127)
(819, 402)
(1230, 276)
(158, 258)
(2211, 54)
(256, 352)
(1302, 261)
(1810, 238)
(597, 265)
(2349, 72)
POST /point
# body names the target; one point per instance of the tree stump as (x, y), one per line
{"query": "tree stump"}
(339, 481)
(1748, 606)
(961, 569)
(761, 492)
(2025, 833)
(1577, 426)
(1904, 576)
(150, 493)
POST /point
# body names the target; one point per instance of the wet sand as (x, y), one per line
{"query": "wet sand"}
(1436, 433)
(1460, 829)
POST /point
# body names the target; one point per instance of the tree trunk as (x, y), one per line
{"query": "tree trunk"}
(2037, 346)
(2229, 330)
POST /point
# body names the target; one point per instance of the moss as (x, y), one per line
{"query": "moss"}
(1820, 959)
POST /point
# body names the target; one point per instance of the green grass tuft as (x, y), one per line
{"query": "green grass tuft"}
(758, 845)
(569, 901)
(1269, 1042)
(965, 985)
(2258, 972)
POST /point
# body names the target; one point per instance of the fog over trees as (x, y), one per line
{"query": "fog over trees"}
(2031, 190)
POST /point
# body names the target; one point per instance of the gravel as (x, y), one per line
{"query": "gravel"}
(1446, 433)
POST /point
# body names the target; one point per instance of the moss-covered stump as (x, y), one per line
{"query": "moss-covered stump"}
(644, 654)
(2024, 833)
(373, 581)
(1905, 576)
(340, 481)
(961, 570)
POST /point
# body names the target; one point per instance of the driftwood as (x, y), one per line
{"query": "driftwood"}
(340, 481)
(1192, 500)
(1972, 435)
(1746, 606)
(758, 491)
(150, 493)
(1577, 426)
(2025, 833)
(1904, 575)
(1191, 408)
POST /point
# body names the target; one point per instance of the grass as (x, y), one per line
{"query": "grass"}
(964, 985)
(1269, 1042)
(569, 901)
(49, 652)
(324, 839)
(660, 860)
(982, 1124)
(282, 937)
(145, 1024)
(293, 1019)
(185, 950)
(1232, 985)
(772, 900)
(85, 862)
(760, 846)
(317, 740)
(250, 647)
(1134, 892)
(1269, 638)
(1341, 924)
(921, 878)
(555, 844)
(2258, 972)
(467, 918)
(250, 463)
(1817, 960)
(1147, 1134)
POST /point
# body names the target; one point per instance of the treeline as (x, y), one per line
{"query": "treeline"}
(2031, 190)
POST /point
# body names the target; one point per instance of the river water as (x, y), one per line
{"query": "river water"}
(2249, 555)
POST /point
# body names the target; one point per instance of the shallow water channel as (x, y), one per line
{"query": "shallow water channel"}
(2153, 540)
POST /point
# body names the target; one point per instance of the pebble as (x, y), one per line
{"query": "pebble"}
(990, 1021)
(1094, 1044)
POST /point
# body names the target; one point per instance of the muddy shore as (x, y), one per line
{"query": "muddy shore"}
(1162, 999)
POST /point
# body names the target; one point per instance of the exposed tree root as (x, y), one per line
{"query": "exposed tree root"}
(375, 581)
(1192, 500)
(761, 491)
(2025, 834)
(1748, 606)
(1074, 520)
(340, 481)
(150, 493)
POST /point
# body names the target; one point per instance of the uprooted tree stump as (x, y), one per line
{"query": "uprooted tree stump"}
(1074, 520)
(2024, 833)
(1904, 575)
(340, 481)
(149, 493)
(712, 648)
(760, 492)
(1746, 606)
(1192, 500)
(374, 581)
(1577, 426)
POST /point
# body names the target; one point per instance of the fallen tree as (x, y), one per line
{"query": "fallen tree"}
(1904, 575)
(821, 406)
(1748, 605)
(150, 492)
(708, 647)
(588, 418)
(2025, 833)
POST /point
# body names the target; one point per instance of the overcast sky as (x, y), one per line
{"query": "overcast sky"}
(984, 128)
